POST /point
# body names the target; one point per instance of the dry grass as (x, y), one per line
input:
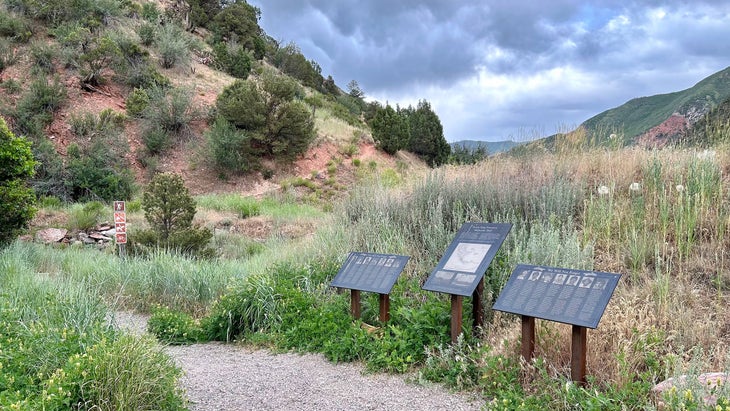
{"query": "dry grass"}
(671, 303)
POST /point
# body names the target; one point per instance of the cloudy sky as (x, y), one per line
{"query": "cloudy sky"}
(516, 69)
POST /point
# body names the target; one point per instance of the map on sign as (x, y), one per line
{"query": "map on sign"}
(370, 272)
(574, 297)
(466, 259)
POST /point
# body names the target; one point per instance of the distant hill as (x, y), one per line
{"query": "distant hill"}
(493, 147)
(679, 110)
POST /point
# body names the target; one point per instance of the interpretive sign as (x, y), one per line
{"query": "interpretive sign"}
(466, 260)
(372, 272)
(568, 296)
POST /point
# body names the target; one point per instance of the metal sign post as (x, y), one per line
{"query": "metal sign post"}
(370, 272)
(460, 272)
(575, 297)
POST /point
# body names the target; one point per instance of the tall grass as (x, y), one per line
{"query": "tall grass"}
(58, 351)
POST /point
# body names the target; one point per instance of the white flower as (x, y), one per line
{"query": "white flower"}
(603, 190)
(707, 155)
(679, 188)
(612, 136)
(635, 186)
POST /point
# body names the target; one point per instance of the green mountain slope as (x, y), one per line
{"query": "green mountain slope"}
(640, 114)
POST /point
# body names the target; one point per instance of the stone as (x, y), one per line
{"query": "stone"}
(708, 380)
(51, 235)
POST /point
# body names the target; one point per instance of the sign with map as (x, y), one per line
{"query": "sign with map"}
(466, 259)
(370, 272)
(568, 296)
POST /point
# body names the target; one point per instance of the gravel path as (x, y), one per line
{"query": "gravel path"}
(226, 377)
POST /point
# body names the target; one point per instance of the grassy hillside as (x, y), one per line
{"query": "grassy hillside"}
(640, 114)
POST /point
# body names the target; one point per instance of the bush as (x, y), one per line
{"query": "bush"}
(171, 110)
(169, 210)
(150, 12)
(16, 199)
(42, 56)
(99, 170)
(230, 148)
(147, 33)
(14, 28)
(173, 45)
(234, 60)
(156, 140)
(8, 55)
(280, 126)
(35, 108)
(137, 102)
(173, 327)
(87, 216)
(100, 54)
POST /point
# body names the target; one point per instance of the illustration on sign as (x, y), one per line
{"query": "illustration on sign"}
(370, 272)
(467, 258)
(574, 297)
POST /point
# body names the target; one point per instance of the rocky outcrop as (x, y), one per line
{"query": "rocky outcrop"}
(671, 129)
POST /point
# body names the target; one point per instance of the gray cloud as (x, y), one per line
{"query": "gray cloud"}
(490, 68)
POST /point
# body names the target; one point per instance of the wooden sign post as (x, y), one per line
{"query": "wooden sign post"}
(460, 272)
(574, 297)
(370, 272)
(120, 226)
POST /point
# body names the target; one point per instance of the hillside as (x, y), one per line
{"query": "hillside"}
(61, 82)
(640, 115)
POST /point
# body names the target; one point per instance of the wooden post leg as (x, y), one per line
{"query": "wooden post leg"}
(457, 302)
(528, 337)
(384, 308)
(477, 306)
(578, 355)
(355, 303)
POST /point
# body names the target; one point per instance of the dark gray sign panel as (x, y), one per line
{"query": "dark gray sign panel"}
(467, 258)
(372, 272)
(574, 297)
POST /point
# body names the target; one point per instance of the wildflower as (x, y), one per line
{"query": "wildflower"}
(602, 190)
(707, 155)
(635, 186)
(680, 188)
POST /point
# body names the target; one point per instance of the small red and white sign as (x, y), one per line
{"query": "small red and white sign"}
(120, 222)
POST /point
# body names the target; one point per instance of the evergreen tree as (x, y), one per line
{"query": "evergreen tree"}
(427, 135)
(390, 129)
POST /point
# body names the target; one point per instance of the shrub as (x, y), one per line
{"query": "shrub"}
(169, 210)
(234, 60)
(173, 327)
(86, 216)
(173, 45)
(137, 102)
(16, 199)
(14, 28)
(279, 125)
(230, 148)
(99, 170)
(100, 54)
(150, 12)
(90, 125)
(156, 140)
(42, 56)
(35, 108)
(171, 110)
(147, 33)
(8, 55)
